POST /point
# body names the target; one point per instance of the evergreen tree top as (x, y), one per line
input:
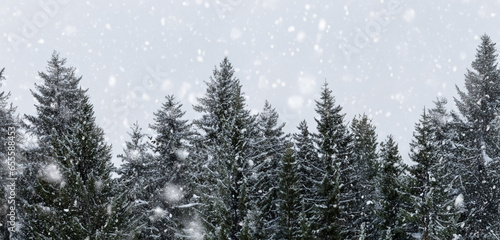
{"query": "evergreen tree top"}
(329, 114)
(364, 137)
(486, 57)
(268, 121)
(362, 125)
(303, 129)
(333, 135)
(58, 99)
(59, 74)
(421, 145)
(220, 93)
(389, 150)
(170, 113)
(326, 104)
(172, 131)
(3, 95)
(479, 105)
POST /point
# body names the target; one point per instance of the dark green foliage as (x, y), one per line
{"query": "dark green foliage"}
(479, 108)
(309, 170)
(76, 188)
(390, 183)
(431, 211)
(334, 146)
(290, 207)
(224, 149)
(231, 174)
(422, 182)
(11, 162)
(366, 166)
(263, 186)
(58, 101)
(73, 190)
(134, 178)
(167, 173)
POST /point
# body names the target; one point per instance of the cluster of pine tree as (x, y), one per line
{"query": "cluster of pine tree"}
(234, 175)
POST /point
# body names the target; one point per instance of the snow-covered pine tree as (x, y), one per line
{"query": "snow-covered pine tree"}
(422, 180)
(10, 166)
(392, 195)
(76, 189)
(310, 174)
(136, 163)
(225, 148)
(421, 212)
(334, 148)
(289, 203)
(73, 189)
(263, 190)
(134, 172)
(365, 162)
(57, 99)
(167, 176)
(447, 170)
(431, 211)
(479, 107)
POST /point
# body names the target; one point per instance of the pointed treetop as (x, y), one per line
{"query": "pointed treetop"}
(485, 56)
(171, 108)
(303, 127)
(389, 148)
(268, 119)
(1, 75)
(327, 98)
(3, 96)
(226, 70)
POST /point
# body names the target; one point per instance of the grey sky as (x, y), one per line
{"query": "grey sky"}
(401, 55)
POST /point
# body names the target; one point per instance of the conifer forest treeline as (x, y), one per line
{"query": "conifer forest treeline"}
(234, 175)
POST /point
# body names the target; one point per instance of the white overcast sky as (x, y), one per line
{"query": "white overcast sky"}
(385, 58)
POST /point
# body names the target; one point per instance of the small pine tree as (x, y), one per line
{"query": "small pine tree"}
(390, 184)
(134, 173)
(422, 182)
(167, 174)
(431, 212)
(366, 165)
(446, 175)
(334, 146)
(264, 190)
(289, 226)
(310, 174)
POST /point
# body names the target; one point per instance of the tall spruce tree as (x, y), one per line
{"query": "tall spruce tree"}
(73, 189)
(264, 190)
(447, 175)
(392, 193)
(431, 212)
(11, 161)
(422, 179)
(56, 111)
(366, 164)
(134, 172)
(479, 108)
(58, 99)
(224, 150)
(334, 148)
(310, 174)
(290, 205)
(168, 173)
